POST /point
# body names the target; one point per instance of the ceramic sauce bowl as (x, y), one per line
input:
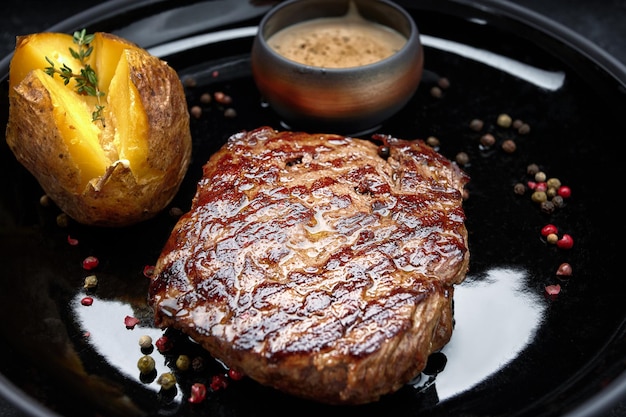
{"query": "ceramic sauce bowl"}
(340, 66)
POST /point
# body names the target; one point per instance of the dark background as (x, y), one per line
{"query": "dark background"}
(603, 22)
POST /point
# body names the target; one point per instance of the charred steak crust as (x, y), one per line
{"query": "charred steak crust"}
(315, 265)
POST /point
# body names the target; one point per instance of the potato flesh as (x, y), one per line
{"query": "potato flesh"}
(31, 53)
(131, 122)
(84, 138)
(73, 118)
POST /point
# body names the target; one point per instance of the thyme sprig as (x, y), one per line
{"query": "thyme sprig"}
(86, 79)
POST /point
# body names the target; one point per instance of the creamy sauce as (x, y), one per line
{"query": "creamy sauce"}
(337, 42)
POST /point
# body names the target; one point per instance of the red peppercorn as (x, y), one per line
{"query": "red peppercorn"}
(148, 271)
(218, 382)
(235, 375)
(532, 185)
(86, 301)
(90, 263)
(565, 242)
(198, 393)
(541, 186)
(72, 241)
(564, 191)
(549, 229)
(163, 344)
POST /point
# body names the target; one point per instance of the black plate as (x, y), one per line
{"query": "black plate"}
(514, 352)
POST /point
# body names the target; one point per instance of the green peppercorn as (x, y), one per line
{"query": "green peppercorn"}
(167, 380)
(183, 362)
(146, 364)
(539, 196)
(63, 220)
(504, 120)
(553, 183)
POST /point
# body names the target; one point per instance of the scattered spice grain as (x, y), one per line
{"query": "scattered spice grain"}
(90, 281)
(146, 364)
(130, 322)
(145, 341)
(504, 120)
(509, 146)
(432, 141)
(167, 380)
(196, 111)
(90, 263)
(476, 125)
(564, 270)
(197, 393)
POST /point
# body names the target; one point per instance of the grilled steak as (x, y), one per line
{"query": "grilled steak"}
(321, 265)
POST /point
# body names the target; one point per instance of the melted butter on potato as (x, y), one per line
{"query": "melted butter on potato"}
(112, 173)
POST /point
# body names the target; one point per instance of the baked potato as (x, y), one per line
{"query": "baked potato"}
(110, 156)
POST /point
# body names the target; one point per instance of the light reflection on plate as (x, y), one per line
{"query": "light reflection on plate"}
(103, 322)
(485, 339)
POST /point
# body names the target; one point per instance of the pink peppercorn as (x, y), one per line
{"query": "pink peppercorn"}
(130, 322)
(553, 289)
(218, 382)
(198, 393)
(148, 271)
(564, 270)
(90, 262)
(86, 301)
(549, 229)
(565, 242)
(235, 375)
(564, 191)
(163, 344)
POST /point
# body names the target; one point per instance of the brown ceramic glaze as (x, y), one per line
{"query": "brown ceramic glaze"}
(337, 100)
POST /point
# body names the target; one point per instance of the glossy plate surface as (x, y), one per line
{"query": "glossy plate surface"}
(514, 351)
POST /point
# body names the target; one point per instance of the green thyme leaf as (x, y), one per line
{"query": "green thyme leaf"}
(86, 79)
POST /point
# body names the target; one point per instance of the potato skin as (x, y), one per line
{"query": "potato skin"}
(120, 197)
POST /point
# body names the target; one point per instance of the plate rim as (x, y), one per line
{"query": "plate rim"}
(596, 404)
